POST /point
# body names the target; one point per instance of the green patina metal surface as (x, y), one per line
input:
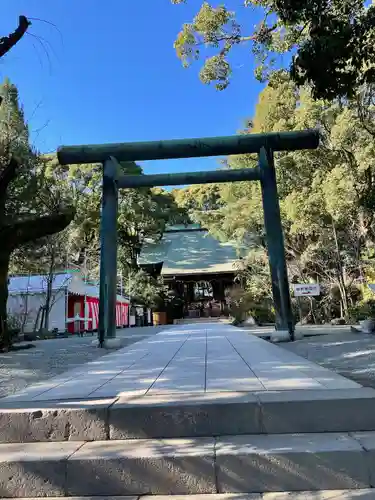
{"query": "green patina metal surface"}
(108, 253)
(134, 181)
(189, 148)
(275, 243)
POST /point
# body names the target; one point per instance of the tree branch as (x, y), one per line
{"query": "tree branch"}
(25, 231)
(8, 42)
(7, 175)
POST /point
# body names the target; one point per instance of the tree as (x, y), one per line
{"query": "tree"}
(83, 185)
(326, 195)
(332, 42)
(8, 42)
(24, 216)
(142, 216)
(198, 198)
(143, 288)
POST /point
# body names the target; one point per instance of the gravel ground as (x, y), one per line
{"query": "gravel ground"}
(350, 354)
(19, 369)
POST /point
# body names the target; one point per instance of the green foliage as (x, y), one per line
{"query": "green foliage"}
(326, 199)
(209, 27)
(198, 199)
(31, 207)
(332, 42)
(143, 215)
(362, 310)
(243, 304)
(151, 292)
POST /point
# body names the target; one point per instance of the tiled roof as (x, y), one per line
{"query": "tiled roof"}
(190, 252)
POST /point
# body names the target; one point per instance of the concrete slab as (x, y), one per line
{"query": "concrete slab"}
(336, 410)
(363, 494)
(83, 498)
(173, 415)
(217, 496)
(137, 467)
(201, 359)
(55, 421)
(367, 441)
(290, 463)
(185, 415)
(34, 469)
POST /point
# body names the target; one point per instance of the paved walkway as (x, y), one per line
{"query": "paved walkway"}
(205, 358)
(49, 358)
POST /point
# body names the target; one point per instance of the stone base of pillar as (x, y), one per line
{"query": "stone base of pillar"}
(280, 336)
(298, 335)
(110, 343)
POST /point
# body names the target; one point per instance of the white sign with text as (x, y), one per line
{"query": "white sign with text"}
(306, 290)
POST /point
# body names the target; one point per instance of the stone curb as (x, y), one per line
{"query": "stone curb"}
(55, 421)
(153, 417)
(362, 494)
(234, 464)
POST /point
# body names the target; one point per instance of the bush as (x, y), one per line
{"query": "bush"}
(243, 304)
(263, 313)
(14, 325)
(361, 311)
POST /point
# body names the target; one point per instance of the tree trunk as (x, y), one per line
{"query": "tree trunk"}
(37, 320)
(26, 307)
(5, 337)
(17, 234)
(50, 279)
(340, 273)
(47, 306)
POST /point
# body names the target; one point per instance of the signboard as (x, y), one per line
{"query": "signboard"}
(306, 290)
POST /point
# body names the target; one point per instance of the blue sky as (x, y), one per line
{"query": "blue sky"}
(111, 75)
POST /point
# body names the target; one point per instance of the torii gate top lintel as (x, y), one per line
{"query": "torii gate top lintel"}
(189, 148)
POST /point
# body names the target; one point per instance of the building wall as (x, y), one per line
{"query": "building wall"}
(22, 306)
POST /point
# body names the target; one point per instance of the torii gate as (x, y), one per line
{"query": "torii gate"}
(263, 144)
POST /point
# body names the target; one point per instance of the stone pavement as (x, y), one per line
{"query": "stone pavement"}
(196, 359)
(49, 358)
(195, 409)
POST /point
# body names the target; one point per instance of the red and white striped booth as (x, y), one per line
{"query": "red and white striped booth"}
(90, 313)
(75, 305)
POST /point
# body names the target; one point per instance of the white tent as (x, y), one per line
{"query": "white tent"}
(27, 295)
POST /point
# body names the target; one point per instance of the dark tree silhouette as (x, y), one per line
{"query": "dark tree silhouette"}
(8, 42)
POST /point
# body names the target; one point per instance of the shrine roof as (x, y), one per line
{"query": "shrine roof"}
(190, 251)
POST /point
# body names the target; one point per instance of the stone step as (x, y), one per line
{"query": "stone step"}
(233, 464)
(189, 415)
(360, 494)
